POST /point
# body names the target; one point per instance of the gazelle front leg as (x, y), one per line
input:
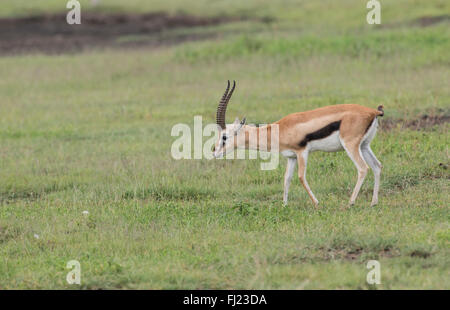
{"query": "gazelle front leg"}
(288, 177)
(302, 159)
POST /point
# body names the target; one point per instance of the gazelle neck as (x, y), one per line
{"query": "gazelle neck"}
(255, 138)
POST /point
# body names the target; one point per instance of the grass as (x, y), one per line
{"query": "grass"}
(91, 131)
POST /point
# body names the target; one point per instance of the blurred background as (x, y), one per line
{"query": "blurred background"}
(86, 113)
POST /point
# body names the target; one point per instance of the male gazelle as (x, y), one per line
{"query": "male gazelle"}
(348, 127)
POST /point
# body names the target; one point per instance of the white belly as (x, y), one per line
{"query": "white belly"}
(331, 143)
(289, 153)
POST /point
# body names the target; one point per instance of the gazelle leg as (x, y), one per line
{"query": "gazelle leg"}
(376, 166)
(302, 159)
(288, 177)
(354, 152)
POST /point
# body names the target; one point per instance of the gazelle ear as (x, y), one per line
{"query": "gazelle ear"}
(236, 121)
(239, 124)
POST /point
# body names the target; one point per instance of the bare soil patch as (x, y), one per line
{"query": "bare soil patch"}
(424, 21)
(423, 122)
(420, 253)
(51, 34)
(356, 253)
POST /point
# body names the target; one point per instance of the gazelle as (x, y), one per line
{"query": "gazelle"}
(348, 127)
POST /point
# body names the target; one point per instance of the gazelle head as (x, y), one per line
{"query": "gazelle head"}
(227, 139)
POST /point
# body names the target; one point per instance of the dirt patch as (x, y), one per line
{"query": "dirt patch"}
(356, 253)
(426, 21)
(10, 197)
(421, 123)
(352, 254)
(420, 253)
(326, 254)
(51, 34)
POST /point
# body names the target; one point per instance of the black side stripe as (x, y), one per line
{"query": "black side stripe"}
(321, 133)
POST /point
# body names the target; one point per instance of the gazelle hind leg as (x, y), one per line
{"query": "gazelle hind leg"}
(376, 166)
(302, 159)
(353, 149)
(288, 177)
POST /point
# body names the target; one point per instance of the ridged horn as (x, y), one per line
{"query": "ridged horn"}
(222, 108)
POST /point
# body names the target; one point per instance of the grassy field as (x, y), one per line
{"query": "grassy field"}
(91, 131)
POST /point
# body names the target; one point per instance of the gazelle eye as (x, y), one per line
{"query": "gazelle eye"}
(224, 138)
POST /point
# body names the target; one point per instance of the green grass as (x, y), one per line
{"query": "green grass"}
(91, 132)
